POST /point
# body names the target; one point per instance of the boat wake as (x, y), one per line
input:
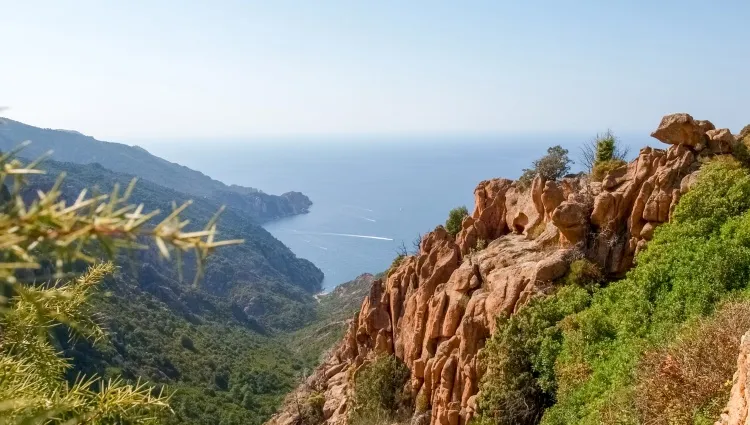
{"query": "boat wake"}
(348, 235)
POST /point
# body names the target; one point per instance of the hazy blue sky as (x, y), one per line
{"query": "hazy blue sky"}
(168, 69)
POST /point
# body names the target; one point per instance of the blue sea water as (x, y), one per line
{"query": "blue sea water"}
(369, 195)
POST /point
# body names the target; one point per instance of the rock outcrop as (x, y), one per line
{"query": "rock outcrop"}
(737, 411)
(436, 309)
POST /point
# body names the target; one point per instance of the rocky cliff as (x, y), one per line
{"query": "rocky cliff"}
(737, 411)
(435, 310)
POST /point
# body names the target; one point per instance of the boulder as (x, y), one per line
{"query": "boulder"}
(720, 141)
(681, 129)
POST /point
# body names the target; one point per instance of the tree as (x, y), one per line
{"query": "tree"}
(417, 244)
(552, 166)
(603, 147)
(455, 217)
(46, 239)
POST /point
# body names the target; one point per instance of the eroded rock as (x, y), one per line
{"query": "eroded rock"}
(436, 310)
(737, 411)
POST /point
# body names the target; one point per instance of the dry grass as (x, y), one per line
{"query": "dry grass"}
(603, 168)
(691, 377)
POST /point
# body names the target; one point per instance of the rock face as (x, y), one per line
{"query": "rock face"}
(736, 412)
(436, 309)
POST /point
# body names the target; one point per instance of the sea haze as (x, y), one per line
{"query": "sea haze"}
(369, 195)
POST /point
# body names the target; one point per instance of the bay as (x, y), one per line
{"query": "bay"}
(370, 195)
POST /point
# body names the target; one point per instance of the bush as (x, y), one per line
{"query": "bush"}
(552, 166)
(692, 263)
(395, 263)
(686, 381)
(379, 392)
(744, 134)
(421, 404)
(741, 152)
(584, 273)
(601, 169)
(602, 148)
(455, 218)
(311, 410)
(519, 380)
(527, 177)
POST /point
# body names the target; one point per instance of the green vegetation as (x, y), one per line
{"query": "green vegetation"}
(395, 263)
(332, 312)
(658, 346)
(519, 380)
(601, 169)
(48, 239)
(585, 274)
(379, 392)
(212, 346)
(604, 151)
(455, 217)
(261, 281)
(552, 166)
(691, 265)
(227, 372)
(311, 409)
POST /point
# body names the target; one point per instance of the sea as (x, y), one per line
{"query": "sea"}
(371, 196)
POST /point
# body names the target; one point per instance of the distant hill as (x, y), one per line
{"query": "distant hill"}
(72, 146)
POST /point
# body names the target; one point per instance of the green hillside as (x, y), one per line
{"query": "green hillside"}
(213, 345)
(71, 146)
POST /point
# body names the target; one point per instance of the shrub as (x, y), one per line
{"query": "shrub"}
(744, 134)
(311, 410)
(584, 273)
(455, 218)
(692, 263)
(379, 392)
(421, 404)
(601, 169)
(602, 148)
(605, 149)
(686, 380)
(395, 263)
(741, 151)
(519, 380)
(527, 177)
(552, 166)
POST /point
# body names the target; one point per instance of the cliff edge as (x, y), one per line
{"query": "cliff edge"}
(435, 310)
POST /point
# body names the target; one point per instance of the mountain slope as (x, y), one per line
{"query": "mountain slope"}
(212, 345)
(71, 146)
(260, 276)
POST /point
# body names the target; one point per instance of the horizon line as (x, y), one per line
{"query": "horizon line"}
(337, 136)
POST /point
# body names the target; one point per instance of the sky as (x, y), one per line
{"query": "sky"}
(171, 69)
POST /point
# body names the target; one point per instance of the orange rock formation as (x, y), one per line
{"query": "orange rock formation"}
(436, 309)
